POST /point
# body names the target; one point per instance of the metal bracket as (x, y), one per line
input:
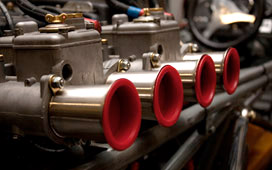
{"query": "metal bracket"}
(46, 94)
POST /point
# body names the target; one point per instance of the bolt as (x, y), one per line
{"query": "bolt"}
(155, 57)
(10, 6)
(104, 41)
(124, 65)
(252, 114)
(57, 82)
(193, 47)
(211, 129)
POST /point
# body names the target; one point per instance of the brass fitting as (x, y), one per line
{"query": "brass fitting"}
(146, 12)
(57, 19)
(156, 9)
(104, 41)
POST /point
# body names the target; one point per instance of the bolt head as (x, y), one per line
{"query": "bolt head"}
(124, 65)
(58, 82)
(156, 57)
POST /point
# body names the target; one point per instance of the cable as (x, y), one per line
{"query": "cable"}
(131, 11)
(119, 6)
(7, 15)
(32, 10)
(51, 9)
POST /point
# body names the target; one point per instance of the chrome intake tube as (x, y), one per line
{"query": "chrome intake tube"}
(227, 67)
(110, 112)
(199, 79)
(160, 91)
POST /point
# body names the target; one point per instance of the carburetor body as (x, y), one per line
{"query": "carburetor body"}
(72, 52)
(143, 35)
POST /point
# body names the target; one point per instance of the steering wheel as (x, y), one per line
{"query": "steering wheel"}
(220, 24)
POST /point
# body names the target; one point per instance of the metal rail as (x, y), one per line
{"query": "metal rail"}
(185, 152)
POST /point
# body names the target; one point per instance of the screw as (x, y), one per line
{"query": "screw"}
(57, 82)
(155, 57)
(124, 65)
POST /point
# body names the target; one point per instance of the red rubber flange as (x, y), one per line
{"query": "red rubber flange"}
(231, 70)
(121, 114)
(205, 82)
(168, 96)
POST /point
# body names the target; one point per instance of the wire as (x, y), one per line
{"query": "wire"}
(51, 9)
(119, 6)
(32, 10)
(7, 15)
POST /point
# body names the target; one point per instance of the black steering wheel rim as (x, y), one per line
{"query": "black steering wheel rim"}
(259, 5)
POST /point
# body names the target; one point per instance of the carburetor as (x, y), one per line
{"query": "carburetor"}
(62, 49)
(58, 87)
(160, 37)
(63, 90)
(144, 34)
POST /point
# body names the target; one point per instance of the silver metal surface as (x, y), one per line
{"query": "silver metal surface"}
(74, 55)
(187, 73)
(79, 102)
(74, 112)
(217, 57)
(144, 82)
(136, 38)
(186, 70)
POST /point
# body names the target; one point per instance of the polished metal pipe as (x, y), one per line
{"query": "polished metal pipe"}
(198, 78)
(227, 67)
(109, 112)
(160, 91)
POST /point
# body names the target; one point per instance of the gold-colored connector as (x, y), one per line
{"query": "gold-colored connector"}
(57, 19)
